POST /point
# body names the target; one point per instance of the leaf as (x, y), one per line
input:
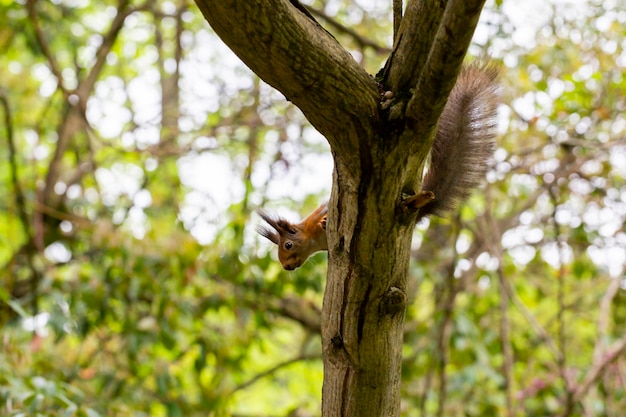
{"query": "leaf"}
(4, 294)
(90, 412)
(15, 306)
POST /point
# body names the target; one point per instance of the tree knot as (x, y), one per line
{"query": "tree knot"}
(393, 302)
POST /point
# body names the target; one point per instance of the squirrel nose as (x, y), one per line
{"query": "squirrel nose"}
(289, 267)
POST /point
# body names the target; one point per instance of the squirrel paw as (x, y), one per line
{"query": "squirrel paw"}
(417, 201)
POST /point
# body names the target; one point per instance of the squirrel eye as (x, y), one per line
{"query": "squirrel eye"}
(288, 245)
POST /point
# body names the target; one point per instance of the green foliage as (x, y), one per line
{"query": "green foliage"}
(133, 282)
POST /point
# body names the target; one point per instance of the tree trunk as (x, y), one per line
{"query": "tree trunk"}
(379, 156)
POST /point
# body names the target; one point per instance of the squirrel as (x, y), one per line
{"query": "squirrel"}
(464, 142)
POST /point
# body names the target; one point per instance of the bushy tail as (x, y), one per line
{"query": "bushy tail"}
(465, 139)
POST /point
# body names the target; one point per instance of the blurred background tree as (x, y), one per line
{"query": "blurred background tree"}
(138, 146)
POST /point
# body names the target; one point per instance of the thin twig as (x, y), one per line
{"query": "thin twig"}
(490, 228)
(21, 205)
(560, 316)
(443, 339)
(362, 41)
(42, 41)
(75, 118)
(542, 334)
(273, 369)
(19, 193)
(604, 317)
(505, 337)
(599, 368)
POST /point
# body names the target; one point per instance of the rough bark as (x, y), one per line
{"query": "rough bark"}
(379, 157)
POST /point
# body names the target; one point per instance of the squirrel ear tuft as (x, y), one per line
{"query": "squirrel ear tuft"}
(281, 227)
(268, 233)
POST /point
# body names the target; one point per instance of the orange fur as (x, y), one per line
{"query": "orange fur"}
(296, 242)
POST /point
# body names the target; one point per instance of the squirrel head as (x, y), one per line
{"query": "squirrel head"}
(296, 242)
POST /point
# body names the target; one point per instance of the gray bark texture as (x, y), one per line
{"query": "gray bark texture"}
(379, 156)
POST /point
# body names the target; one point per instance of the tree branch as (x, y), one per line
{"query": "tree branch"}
(362, 41)
(291, 306)
(604, 318)
(423, 69)
(615, 351)
(75, 116)
(295, 55)
(43, 44)
(272, 370)
(108, 40)
(397, 18)
(444, 62)
(300, 310)
(505, 340)
(562, 362)
(411, 44)
(375, 156)
(450, 290)
(20, 200)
